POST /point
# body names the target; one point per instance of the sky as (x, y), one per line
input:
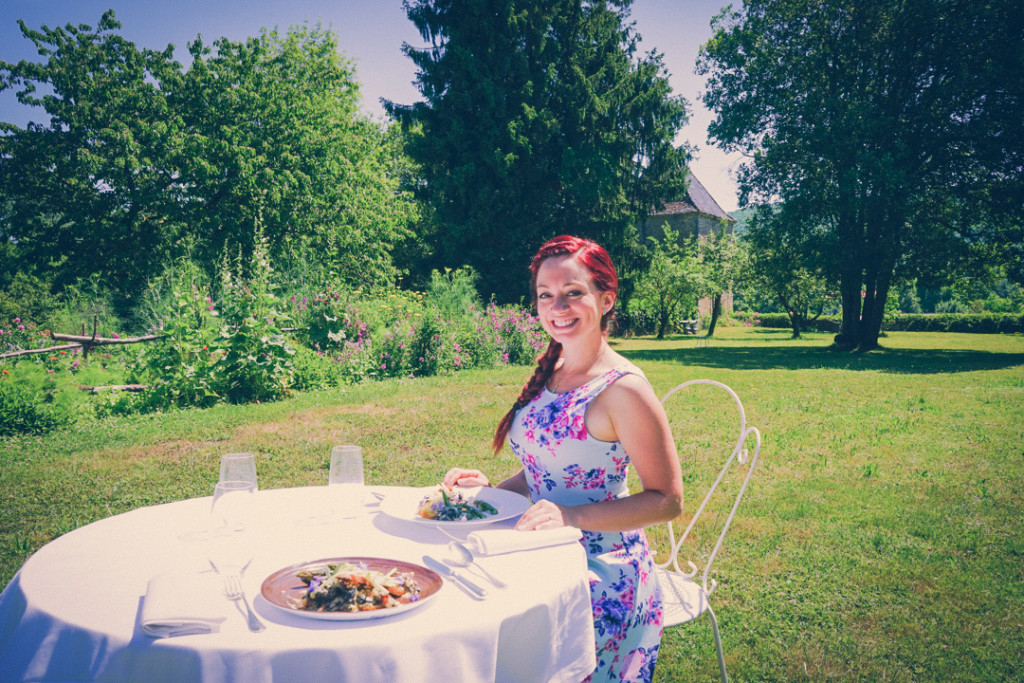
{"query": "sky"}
(370, 33)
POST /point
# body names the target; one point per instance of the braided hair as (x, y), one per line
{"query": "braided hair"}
(599, 264)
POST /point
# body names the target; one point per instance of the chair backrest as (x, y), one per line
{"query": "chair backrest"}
(740, 454)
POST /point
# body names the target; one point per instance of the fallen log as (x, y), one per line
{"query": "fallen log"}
(27, 352)
(114, 387)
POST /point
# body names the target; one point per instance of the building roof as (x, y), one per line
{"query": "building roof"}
(697, 200)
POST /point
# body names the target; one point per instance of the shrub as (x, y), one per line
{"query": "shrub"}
(29, 410)
(952, 306)
(517, 335)
(182, 369)
(325, 318)
(256, 364)
(453, 293)
(636, 320)
(238, 348)
(27, 297)
(315, 370)
(987, 323)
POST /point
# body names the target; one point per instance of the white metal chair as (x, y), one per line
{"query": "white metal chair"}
(684, 598)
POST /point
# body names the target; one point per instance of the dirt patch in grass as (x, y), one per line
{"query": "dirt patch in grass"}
(319, 424)
(175, 451)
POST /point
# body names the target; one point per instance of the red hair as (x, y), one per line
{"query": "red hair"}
(599, 265)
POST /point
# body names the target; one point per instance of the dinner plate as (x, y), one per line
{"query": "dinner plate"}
(405, 504)
(283, 588)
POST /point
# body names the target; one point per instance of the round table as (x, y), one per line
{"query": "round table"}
(73, 610)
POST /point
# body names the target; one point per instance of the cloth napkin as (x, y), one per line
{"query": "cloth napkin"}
(178, 604)
(500, 541)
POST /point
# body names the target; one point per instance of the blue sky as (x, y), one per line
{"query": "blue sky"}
(371, 33)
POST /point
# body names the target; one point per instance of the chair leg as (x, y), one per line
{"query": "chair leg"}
(718, 645)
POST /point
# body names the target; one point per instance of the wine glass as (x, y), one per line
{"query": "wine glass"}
(231, 523)
(345, 481)
(238, 467)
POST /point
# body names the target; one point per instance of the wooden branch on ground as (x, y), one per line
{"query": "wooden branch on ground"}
(114, 387)
(27, 352)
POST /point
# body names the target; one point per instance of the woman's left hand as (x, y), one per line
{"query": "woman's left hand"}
(543, 515)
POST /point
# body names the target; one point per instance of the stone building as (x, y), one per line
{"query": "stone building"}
(694, 214)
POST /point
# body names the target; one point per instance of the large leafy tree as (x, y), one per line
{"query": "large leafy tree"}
(141, 160)
(276, 140)
(90, 189)
(893, 124)
(538, 118)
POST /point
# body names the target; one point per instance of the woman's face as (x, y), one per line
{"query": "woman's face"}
(569, 304)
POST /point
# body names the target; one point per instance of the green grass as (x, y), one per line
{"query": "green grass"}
(880, 539)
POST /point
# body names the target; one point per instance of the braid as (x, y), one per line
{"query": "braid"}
(545, 366)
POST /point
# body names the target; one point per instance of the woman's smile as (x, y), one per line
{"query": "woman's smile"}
(567, 298)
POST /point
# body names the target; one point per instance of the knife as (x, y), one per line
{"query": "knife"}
(444, 569)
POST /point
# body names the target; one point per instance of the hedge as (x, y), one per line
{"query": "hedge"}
(985, 323)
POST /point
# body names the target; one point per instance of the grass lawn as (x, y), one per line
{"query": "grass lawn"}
(880, 538)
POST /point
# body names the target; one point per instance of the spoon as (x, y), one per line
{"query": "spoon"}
(461, 556)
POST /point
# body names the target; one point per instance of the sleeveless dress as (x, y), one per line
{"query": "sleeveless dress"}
(568, 466)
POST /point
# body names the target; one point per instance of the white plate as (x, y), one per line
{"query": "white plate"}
(405, 504)
(283, 588)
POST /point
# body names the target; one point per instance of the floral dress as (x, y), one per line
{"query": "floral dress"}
(566, 465)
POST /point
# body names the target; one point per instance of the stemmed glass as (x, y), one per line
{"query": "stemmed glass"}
(231, 523)
(238, 467)
(239, 471)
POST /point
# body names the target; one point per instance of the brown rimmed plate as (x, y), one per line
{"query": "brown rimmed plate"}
(283, 588)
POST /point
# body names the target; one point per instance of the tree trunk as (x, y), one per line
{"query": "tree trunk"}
(879, 272)
(871, 327)
(716, 312)
(874, 304)
(850, 278)
(794, 316)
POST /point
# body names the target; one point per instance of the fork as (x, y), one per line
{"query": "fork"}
(233, 591)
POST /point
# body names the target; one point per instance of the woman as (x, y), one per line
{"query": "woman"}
(584, 416)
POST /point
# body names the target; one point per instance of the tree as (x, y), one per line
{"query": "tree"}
(538, 118)
(892, 124)
(784, 260)
(142, 161)
(92, 186)
(277, 140)
(673, 279)
(722, 262)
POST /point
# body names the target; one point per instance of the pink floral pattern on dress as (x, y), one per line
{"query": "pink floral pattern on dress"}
(565, 464)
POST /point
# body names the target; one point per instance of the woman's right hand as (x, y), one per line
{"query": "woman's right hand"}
(459, 477)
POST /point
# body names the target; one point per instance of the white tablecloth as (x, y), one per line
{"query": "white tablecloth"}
(72, 611)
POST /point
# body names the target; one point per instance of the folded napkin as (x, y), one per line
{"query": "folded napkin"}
(178, 604)
(499, 541)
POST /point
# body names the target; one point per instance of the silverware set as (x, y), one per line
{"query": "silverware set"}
(459, 555)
